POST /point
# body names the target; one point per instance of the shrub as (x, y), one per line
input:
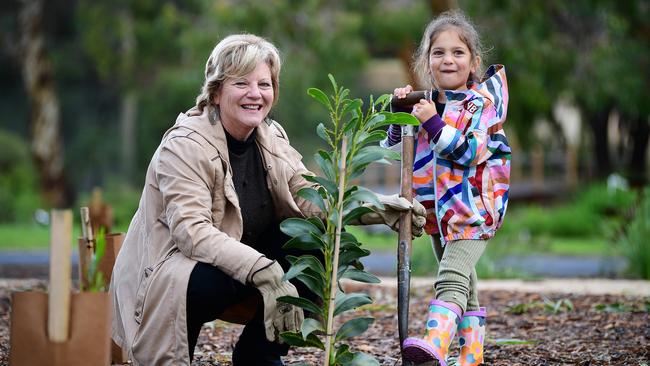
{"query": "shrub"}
(635, 242)
(19, 196)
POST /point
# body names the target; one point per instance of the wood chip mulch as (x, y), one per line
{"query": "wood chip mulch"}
(571, 329)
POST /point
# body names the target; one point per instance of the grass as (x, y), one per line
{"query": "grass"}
(27, 237)
(18, 237)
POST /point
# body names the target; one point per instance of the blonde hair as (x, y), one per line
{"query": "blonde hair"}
(466, 31)
(236, 56)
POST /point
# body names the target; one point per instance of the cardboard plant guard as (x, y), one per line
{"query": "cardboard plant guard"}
(60, 328)
(87, 247)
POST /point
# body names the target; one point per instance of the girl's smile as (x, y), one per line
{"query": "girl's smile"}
(450, 61)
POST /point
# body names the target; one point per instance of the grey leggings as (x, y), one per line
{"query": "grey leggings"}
(456, 282)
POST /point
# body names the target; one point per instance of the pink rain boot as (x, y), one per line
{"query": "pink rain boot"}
(471, 334)
(440, 330)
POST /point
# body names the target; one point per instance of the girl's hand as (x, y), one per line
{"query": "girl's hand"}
(401, 92)
(424, 110)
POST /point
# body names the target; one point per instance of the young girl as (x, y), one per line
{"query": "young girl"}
(461, 175)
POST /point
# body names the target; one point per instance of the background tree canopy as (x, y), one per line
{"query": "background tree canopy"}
(124, 69)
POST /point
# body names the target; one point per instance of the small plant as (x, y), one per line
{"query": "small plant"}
(521, 308)
(634, 241)
(556, 307)
(352, 137)
(617, 307)
(95, 277)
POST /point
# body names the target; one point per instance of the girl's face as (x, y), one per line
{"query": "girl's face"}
(244, 102)
(450, 61)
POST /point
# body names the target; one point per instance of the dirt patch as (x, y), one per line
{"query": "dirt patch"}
(601, 329)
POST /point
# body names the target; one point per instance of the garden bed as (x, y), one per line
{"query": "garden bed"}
(599, 330)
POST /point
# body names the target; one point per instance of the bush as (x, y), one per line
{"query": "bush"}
(19, 195)
(634, 241)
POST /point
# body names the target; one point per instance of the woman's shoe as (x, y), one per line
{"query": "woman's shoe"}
(471, 335)
(441, 327)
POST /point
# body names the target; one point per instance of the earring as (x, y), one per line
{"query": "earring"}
(268, 120)
(213, 114)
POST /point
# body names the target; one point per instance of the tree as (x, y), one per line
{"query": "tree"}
(46, 140)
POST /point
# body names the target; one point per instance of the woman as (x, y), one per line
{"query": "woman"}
(206, 234)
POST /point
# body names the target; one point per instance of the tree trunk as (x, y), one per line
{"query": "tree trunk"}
(46, 143)
(129, 104)
(439, 6)
(598, 123)
(128, 114)
(639, 134)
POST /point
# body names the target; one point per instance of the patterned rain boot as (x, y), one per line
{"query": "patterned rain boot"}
(471, 334)
(440, 330)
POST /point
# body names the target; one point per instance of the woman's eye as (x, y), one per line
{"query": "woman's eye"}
(265, 85)
(240, 83)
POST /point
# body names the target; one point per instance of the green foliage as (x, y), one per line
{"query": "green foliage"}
(19, 195)
(351, 137)
(616, 307)
(94, 276)
(634, 241)
(593, 212)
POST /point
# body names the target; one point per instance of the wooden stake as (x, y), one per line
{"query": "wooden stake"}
(86, 247)
(58, 319)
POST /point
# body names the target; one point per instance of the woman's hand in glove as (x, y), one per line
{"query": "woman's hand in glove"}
(278, 316)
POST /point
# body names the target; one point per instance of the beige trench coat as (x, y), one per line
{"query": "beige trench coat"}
(189, 211)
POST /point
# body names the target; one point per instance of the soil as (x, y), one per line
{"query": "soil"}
(588, 329)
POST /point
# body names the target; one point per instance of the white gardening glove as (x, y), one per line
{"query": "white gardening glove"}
(393, 208)
(279, 317)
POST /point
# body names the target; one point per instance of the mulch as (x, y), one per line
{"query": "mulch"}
(558, 329)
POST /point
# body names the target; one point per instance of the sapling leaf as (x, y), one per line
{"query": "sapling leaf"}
(296, 340)
(362, 359)
(351, 253)
(361, 276)
(401, 118)
(300, 302)
(325, 164)
(353, 106)
(373, 137)
(353, 328)
(334, 86)
(350, 301)
(320, 97)
(313, 283)
(304, 261)
(317, 222)
(312, 196)
(295, 226)
(355, 214)
(367, 196)
(326, 183)
(323, 133)
(310, 325)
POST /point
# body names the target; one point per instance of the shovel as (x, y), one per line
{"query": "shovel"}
(405, 234)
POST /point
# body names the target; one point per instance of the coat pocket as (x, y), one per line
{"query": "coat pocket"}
(145, 283)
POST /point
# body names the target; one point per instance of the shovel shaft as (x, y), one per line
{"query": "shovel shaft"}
(405, 235)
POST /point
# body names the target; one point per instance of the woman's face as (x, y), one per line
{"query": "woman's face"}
(450, 61)
(244, 102)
